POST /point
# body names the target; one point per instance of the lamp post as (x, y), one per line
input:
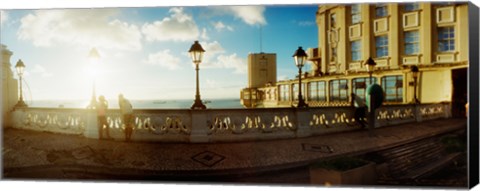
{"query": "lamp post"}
(414, 70)
(94, 58)
(371, 110)
(20, 68)
(370, 68)
(196, 53)
(300, 56)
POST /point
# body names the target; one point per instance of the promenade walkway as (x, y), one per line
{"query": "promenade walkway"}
(38, 155)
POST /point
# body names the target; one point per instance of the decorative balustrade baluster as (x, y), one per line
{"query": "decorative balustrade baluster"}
(220, 124)
(63, 121)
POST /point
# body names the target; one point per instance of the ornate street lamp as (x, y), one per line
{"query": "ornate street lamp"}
(371, 95)
(20, 68)
(370, 67)
(196, 53)
(94, 58)
(414, 70)
(300, 56)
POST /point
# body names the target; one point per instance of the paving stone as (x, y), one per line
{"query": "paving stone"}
(23, 148)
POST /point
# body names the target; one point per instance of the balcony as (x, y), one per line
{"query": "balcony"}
(313, 54)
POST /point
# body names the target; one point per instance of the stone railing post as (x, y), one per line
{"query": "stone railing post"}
(7, 119)
(303, 116)
(91, 127)
(418, 112)
(16, 117)
(199, 132)
(375, 117)
(447, 110)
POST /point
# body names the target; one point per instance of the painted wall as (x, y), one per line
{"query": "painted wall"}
(436, 86)
(262, 69)
(9, 86)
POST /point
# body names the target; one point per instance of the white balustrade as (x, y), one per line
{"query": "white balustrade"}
(394, 114)
(434, 111)
(68, 121)
(251, 124)
(153, 125)
(220, 125)
(332, 119)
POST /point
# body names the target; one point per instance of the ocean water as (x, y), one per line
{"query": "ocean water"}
(139, 104)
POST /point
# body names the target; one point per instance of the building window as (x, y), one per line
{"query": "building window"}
(295, 91)
(442, 4)
(393, 87)
(411, 42)
(408, 7)
(381, 10)
(316, 91)
(312, 91)
(359, 86)
(381, 46)
(334, 54)
(356, 14)
(271, 94)
(254, 94)
(356, 50)
(338, 90)
(284, 92)
(446, 39)
(246, 94)
(333, 20)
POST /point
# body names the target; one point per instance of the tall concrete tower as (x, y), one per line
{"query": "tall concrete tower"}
(262, 69)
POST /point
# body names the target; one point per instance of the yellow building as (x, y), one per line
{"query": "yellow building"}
(9, 86)
(262, 72)
(431, 36)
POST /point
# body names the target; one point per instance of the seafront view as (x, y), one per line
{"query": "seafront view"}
(316, 95)
(141, 104)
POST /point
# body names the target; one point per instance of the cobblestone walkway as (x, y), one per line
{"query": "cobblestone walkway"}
(28, 154)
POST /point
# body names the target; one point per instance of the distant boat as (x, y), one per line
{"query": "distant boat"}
(207, 101)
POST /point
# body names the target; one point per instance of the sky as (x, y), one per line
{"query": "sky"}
(144, 50)
(58, 70)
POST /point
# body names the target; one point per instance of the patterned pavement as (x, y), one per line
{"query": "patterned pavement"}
(39, 155)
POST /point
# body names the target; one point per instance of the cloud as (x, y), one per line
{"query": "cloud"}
(252, 15)
(218, 88)
(282, 77)
(306, 23)
(215, 57)
(3, 17)
(178, 27)
(38, 69)
(204, 34)
(219, 26)
(233, 61)
(164, 59)
(212, 83)
(212, 50)
(84, 27)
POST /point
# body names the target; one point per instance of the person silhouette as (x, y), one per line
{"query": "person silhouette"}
(360, 108)
(127, 116)
(102, 106)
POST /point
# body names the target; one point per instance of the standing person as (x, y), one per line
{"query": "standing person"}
(102, 106)
(127, 115)
(360, 108)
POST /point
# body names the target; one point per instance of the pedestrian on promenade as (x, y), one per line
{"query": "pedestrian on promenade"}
(127, 116)
(360, 108)
(102, 106)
